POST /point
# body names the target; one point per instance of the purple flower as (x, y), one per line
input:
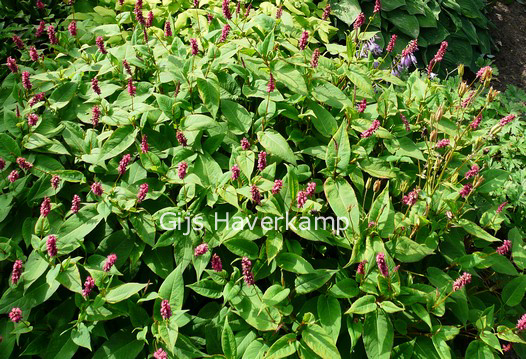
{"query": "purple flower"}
(55, 181)
(167, 29)
(507, 347)
(501, 207)
(143, 190)
(149, 19)
(301, 198)
(262, 160)
(89, 284)
(181, 138)
(465, 103)
(256, 195)
(216, 263)
(95, 85)
(11, 63)
(45, 207)
(40, 29)
(247, 11)
(362, 106)
(181, 169)
(40, 5)
(326, 12)
(18, 42)
(132, 90)
(26, 82)
(442, 143)
(95, 115)
(196, 3)
(246, 266)
(303, 40)
(411, 198)
(391, 44)
(72, 28)
(166, 309)
(377, 7)
(127, 67)
(371, 46)
(138, 12)
(160, 354)
(37, 98)
(315, 57)
(361, 267)
(472, 172)
(382, 264)
(521, 324)
(144, 144)
(96, 188)
(504, 248)
(461, 281)
(504, 121)
(75, 204)
(2, 163)
(24, 164)
(32, 119)
(371, 130)
(193, 47)
(224, 33)
(466, 190)
(123, 164)
(406, 123)
(201, 249)
(51, 35)
(476, 122)
(226, 9)
(33, 54)
(278, 184)
(110, 261)
(15, 315)
(311, 188)
(279, 12)
(210, 17)
(235, 172)
(245, 145)
(271, 86)
(17, 271)
(13, 176)
(100, 45)
(51, 245)
(360, 20)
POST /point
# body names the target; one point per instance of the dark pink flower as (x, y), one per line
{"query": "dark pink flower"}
(95, 85)
(441, 52)
(100, 45)
(245, 145)
(33, 54)
(132, 90)
(406, 123)
(442, 143)
(247, 11)
(262, 160)
(271, 86)
(160, 354)
(216, 263)
(501, 207)
(2, 163)
(476, 122)
(326, 12)
(246, 266)
(193, 47)
(278, 184)
(95, 115)
(138, 12)
(311, 188)
(505, 120)
(127, 67)
(75, 204)
(96, 188)
(40, 5)
(24, 164)
(360, 20)
(279, 12)
(504, 248)
(55, 181)
(472, 172)
(226, 9)
(123, 164)
(196, 3)
(143, 190)
(301, 198)
(181, 169)
(315, 57)
(37, 98)
(235, 172)
(15, 315)
(210, 17)
(13, 176)
(144, 144)
(89, 284)
(72, 28)
(391, 44)
(32, 119)
(484, 73)
(110, 261)
(303, 40)
(181, 138)
(371, 130)
(17, 271)
(507, 347)
(26, 82)
(411, 198)
(166, 309)
(149, 19)
(410, 48)
(51, 35)
(167, 29)
(51, 245)
(465, 102)
(377, 7)
(362, 105)
(18, 42)
(45, 207)
(521, 324)
(11, 63)
(256, 195)
(461, 281)
(382, 264)
(224, 33)
(361, 267)
(466, 190)
(201, 249)
(40, 29)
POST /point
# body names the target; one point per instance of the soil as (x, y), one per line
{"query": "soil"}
(510, 37)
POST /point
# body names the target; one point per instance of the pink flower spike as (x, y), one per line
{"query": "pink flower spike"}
(160, 354)
(360, 20)
(51, 35)
(55, 181)
(51, 245)
(462, 281)
(15, 315)
(303, 40)
(181, 170)
(301, 198)
(123, 164)
(100, 45)
(110, 261)
(17, 271)
(521, 324)
(45, 207)
(216, 263)
(278, 184)
(96, 188)
(256, 195)
(75, 204)
(504, 248)
(382, 264)
(181, 138)
(201, 249)
(246, 266)
(166, 309)
(72, 28)
(143, 191)
(89, 284)
(235, 172)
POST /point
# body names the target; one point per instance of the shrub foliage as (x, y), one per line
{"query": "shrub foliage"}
(141, 110)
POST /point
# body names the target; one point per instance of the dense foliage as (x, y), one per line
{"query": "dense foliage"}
(133, 112)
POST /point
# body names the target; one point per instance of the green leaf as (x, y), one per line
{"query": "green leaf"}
(294, 263)
(287, 74)
(343, 201)
(228, 341)
(145, 227)
(63, 95)
(408, 251)
(173, 288)
(307, 283)
(478, 350)
(407, 24)
(123, 291)
(345, 288)
(363, 305)
(475, 230)
(238, 118)
(323, 120)
(320, 343)
(9, 149)
(207, 288)
(361, 81)
(275, 294)
(121, 345)
(81, 336)
(339, 150)
(209, 92)
(346, 10)
(330, 315)
(119, 141)
(514, 291)
(422, 313)
(283, 347)
(198, 122)
(378, 335)
(329, 94)
(275, 144)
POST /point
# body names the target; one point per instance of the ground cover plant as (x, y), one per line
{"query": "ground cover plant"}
(136, 115)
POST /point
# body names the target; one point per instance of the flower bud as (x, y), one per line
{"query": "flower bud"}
(462, 89)
(404, 186)
(433, 136)
(438, 115)
(492, 94)
(368, 183)
(460, 70)
(377, 185)
(479, 181)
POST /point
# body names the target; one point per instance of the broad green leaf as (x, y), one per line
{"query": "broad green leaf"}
(339, 150)
(378, 335)
(475, 230)
(330, 315)
(275, 144)
(123, 291)
(323, 120)
(9, 149)
(363, 305)
(514, 291)
(209, 92)
(294, 263)
(118, 142)
(238, 118)
(343, 201)
(121, 345)
(63, 95)
(283, 347)
(320, 342)
(173, 288)
(307, 283)
(228, 341)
